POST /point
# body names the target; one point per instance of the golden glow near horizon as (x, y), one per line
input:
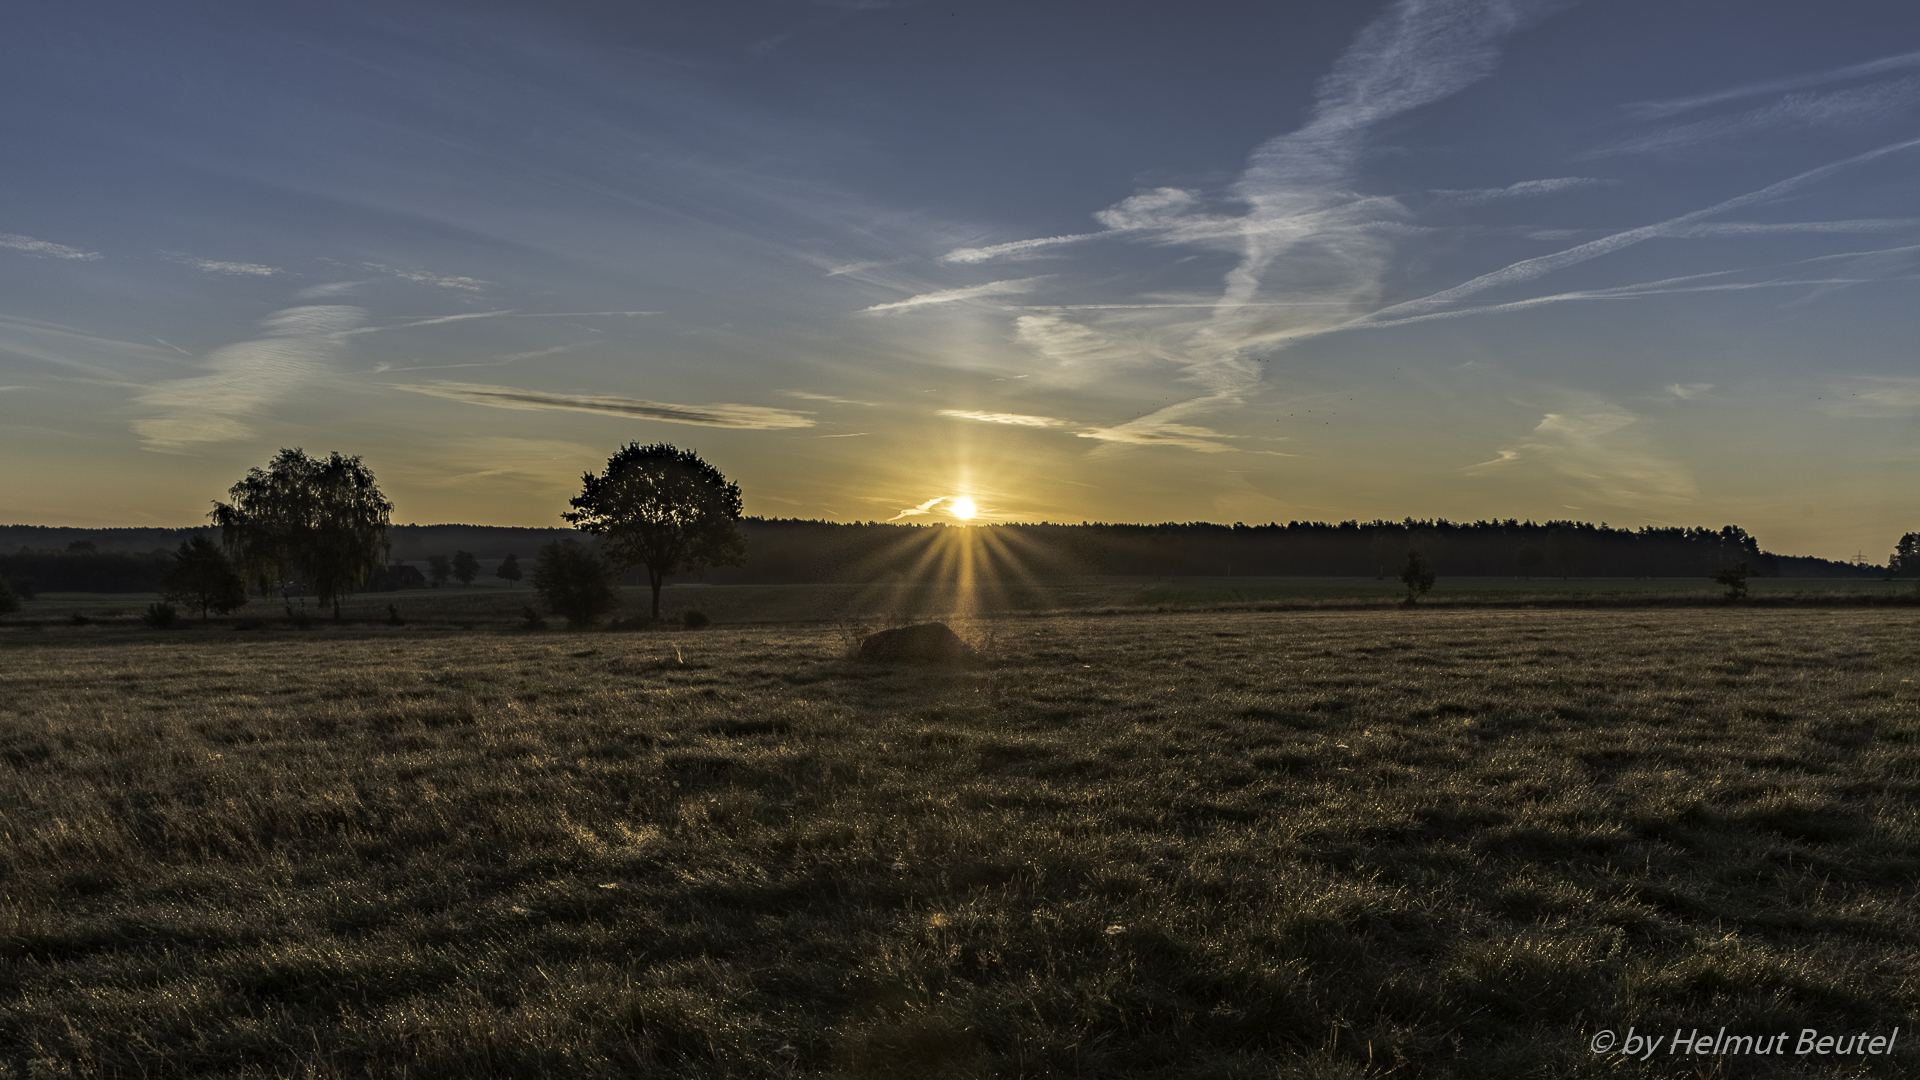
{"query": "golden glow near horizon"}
(961, 508)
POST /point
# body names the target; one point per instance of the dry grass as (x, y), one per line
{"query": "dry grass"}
(1421, 843)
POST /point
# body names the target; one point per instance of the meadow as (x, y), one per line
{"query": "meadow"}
(1307, 842)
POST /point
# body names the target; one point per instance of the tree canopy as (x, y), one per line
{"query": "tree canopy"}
(575, 583)
(203, 579)
(664, 508)
(321, 522)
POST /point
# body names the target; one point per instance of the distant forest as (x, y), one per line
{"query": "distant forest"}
(788, 551)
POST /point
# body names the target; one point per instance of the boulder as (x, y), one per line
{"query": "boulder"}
(927, 643)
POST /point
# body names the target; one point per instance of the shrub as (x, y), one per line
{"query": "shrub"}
(203, 578)
(9, 600)
(694, 619)
(575, 583)
(1735, 579)
(159, 615)
(532, 619)
(1417, 574)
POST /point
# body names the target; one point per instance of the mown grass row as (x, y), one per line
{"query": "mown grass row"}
(1352, 844)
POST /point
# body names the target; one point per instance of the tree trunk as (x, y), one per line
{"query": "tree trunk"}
(656, 580)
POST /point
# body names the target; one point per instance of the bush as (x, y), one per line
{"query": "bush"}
(575, 583)
(694, 619)
(9, 600)
(159, 615)
(532, 619)
(1735, 579)
(1417, 574)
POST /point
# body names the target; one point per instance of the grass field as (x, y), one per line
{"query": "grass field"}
(1242, 844)
(495, 604)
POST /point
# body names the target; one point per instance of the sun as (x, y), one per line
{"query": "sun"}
(961, 508)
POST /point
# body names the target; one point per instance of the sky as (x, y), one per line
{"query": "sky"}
(1633, 262)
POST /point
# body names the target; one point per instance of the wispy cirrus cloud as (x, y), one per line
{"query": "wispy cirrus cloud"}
(1853, 109)
(951, 296)
(428, 277)
(1879, 397)
(1525, 189)
(808, 395)
(45, 249)
(1012, 419)
(1675, 106)
(1295, 218)
(243, 379)
(216, 266)
(1013, 249)
(1601, 452)
(754, 417)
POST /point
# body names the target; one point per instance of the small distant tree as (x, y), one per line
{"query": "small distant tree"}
(1417, 574)
(323, 523)
(664, 508)
(9, 600)
(204, 579)
(575, 583)
(465, 567)
(439, 569)
(1735, 579)
(509, 570)
(1528, 559)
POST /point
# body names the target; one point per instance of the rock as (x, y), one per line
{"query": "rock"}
(927, 643)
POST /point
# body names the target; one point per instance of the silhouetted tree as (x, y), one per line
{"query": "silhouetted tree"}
(1417, 574)
(1734, 578)
(509, 570)
(439, 569)
(9, 600)
(1905, 561)
(203, 578)
(465, 567)
(321, 522)
(575, 583)
(664, 508)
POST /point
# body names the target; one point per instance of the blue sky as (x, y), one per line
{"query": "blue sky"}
(1641, 263)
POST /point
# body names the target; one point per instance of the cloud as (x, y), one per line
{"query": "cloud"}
(1689, 391)
(950, 296)
(211, 266)
(1014, 419)
(1077, 350)
(1769, 228)
(1674, 106)
(1873, 397)
(926, 509)
(243, 379)
(1525, 189)
(1015, 248)
(754, 417)
(426, 277)
(331, 288)
(1529, 269)
(1185, 436)
(44, 248)
(1601, 453)
(808, 395)
(1853, 109)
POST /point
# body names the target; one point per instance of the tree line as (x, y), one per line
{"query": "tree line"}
(321, 525)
